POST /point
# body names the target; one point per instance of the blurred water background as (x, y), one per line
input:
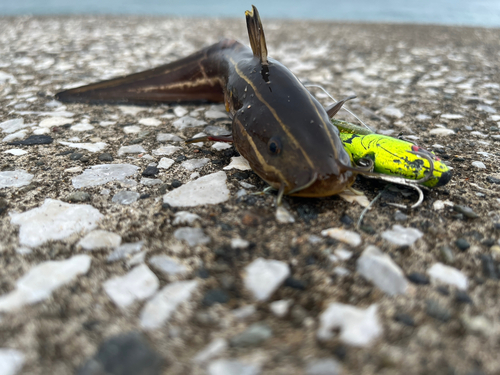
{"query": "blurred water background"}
(484, 13)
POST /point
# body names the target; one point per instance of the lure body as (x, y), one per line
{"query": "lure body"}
(391, 156)
(278, 126)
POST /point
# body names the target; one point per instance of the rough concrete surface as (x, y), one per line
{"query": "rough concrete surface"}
(438, 85)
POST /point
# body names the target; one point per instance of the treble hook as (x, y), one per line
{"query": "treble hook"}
(414, 184)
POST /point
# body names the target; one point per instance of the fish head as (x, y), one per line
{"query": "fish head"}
(285, 133)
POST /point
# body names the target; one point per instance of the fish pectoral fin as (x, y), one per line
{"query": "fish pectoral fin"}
(256, 35)
(212, 138)
(335, 107)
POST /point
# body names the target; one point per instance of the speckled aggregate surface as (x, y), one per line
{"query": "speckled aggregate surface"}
(439, 86)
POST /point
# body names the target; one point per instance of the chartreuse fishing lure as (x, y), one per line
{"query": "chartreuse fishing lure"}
(391, 156)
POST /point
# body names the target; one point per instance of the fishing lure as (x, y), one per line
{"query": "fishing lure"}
(278, 126)
(390, 155)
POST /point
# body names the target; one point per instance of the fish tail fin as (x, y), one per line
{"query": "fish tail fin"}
(195, 78)
(256, 35)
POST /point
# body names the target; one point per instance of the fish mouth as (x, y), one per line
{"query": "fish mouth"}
(325, 186)
(283, 185)
(303, 187)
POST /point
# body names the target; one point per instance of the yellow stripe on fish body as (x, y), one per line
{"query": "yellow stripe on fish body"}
(394, 157)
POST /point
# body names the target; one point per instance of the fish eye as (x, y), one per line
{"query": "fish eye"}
(274, 146)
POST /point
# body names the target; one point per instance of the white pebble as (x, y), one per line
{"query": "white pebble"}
(91, 147)
(192, 236)
(209, 189)
(422, 117)
(81, 127)
(238, 243)
(479, 134)
(149, 121)
(107, 123)
(168, 137)
(214, 349)
(131, 129)
(6, 77)
(437, 145)
(280, 308)
(263, 277)
(393, 112)
(244, 312)
(451, 116)
(211, 114)
(17, 135)
(180, 111)
(11, 360)
(100, 239)
(150, 181)
(238, 162)
(132, 149)
(401, 236)
(160, 308)
(185, 218)
(193, 164)
(343, 254)
(448, 275)
(486, 108)
(166, 150)
(55, 121)
(168, 265)
(125, 250)
(358, 327)
(351, 197)
(381, 270)
(125, 197)
(438, 205)
(15, 178)
(219, 146)
(168, 116)
(40, 281)
(284, 216)
(313, 239)
(165, 163)
(246, 185)
(341, 271)
(187, 122)
(216, 130)
(138, 284)
(102, 174)
(131, 110)
(441, 131)
(484, 154)
(11, 126)
(346, 236)
(478, 164)
(15, 152)
(54, 220)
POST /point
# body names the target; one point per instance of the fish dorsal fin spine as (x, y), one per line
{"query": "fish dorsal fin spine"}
(256, 35)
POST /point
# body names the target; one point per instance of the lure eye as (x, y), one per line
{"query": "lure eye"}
(274, 146)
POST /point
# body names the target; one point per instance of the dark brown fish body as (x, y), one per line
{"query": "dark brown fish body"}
(278, 126)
